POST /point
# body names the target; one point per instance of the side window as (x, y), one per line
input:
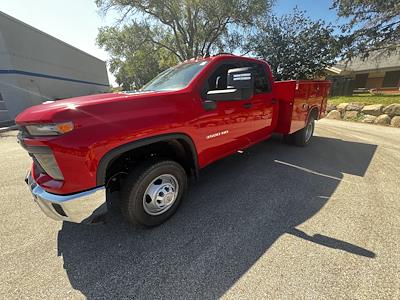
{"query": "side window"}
(261, 80)
(218, 78)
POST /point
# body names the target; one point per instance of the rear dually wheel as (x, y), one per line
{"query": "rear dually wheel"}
(302, 137)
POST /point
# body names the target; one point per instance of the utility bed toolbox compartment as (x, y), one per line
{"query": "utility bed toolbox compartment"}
(296, 99)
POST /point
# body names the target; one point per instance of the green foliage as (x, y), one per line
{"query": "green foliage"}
(295, 46)
(152, 35)
(373, 25)
(134, 61)
(189, 28)
(366, 99)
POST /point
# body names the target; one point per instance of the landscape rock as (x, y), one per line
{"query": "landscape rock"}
(392, 110)
(369, 119)
(354, 106)
(382, 120)
(350, 115)
(334, 115)
(342, 107)
(330, 107)
(395, 121)
(374, 109)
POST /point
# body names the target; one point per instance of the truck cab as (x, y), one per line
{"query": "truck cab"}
(148, 143)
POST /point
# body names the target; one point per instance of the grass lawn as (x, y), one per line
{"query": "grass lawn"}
(366, 99)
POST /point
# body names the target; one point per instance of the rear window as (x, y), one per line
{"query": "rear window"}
(261, 79)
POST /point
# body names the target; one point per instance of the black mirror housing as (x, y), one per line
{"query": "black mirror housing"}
(241, 78)
(240, 86)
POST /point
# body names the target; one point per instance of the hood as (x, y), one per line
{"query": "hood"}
(50, 111)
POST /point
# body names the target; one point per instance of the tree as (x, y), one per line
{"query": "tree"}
(133, 61)
(189, 28)
(173, 30)
(295, 46)
(374, 25)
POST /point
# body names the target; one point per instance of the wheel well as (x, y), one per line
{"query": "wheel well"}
(314, 112)
(177, 149)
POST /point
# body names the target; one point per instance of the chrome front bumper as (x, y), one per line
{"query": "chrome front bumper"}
(81, 207)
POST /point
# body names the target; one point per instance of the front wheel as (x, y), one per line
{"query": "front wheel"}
(303, 136)
(152, 192)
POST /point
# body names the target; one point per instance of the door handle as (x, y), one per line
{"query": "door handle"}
(247, 105)
(274, 101)
(209, 105)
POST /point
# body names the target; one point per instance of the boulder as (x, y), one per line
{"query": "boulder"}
(355, 106)
(382, 120)
(341, 107)
(334, 115)
(369, 119)
(392, 110)
(350, 115)
(374, 109)
(330, 107)
(395, 121)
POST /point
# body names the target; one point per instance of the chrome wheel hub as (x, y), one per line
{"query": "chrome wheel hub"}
(161, 194)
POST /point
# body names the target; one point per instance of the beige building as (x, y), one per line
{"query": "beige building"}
(378, 72)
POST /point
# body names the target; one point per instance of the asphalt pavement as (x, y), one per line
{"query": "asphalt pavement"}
(276, 222)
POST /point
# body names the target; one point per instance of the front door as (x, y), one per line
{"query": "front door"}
(223, 126)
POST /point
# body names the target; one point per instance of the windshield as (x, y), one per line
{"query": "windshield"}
(175, 78)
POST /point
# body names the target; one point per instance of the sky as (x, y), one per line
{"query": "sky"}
(316, 9)
(76, 22)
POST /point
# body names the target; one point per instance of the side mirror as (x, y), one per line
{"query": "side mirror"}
(240, 86)
(241, 78)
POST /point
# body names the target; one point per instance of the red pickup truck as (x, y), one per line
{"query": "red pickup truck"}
(147, 143)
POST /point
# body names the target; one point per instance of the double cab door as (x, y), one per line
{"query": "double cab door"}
(227, 126)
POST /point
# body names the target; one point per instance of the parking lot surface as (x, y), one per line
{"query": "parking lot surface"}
(278, 222)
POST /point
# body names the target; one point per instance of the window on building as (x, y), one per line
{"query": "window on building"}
(392, 79)
(361, 80)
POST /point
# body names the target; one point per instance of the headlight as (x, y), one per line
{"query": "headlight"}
(50, 129)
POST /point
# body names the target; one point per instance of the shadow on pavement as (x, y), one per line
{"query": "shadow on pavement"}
(331, 243)
(230, 218)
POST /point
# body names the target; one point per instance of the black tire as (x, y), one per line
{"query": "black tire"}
(288, 139)
(302, 137)
(135, 185)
